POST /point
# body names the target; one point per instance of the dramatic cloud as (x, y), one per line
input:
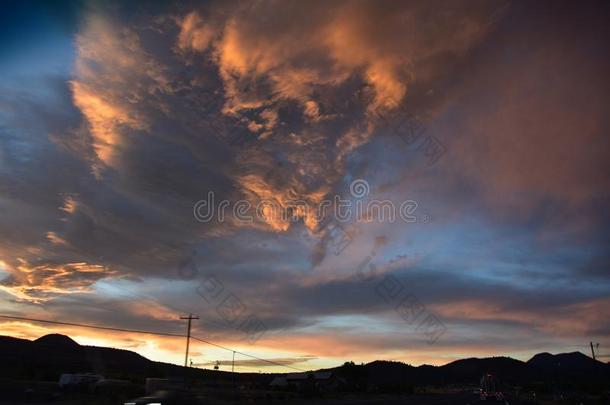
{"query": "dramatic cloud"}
(267, 66)
(110, 145)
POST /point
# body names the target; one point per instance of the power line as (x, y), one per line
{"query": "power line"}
(208, 321)
(21, 318)
(132, 292)
(248, 355)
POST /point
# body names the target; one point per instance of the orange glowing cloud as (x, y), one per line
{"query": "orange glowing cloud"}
(104, 120)
(267, 55)
(194, 33)
(39, 283)
(56, 239)
(113, 76)
(279, 207)
(70, 204)
(276, 52)
(272, 40)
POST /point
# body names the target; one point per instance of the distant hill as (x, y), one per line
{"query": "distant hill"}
(47, 357)
(575, 361)
(56, 340)
(51, 355)
(544, 371)
(569, 368)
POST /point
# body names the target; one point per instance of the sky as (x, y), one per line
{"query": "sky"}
(158, 160)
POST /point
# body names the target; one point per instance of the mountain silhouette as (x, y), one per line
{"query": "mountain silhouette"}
(574, 361)
(565, 370)
(47, 357)
(55, 339)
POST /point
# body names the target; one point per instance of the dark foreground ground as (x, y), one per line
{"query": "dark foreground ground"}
(465, 398)
(18, 392)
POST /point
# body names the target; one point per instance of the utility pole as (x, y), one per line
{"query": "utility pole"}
(592, 351)
(233, 375)
(188, 336)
